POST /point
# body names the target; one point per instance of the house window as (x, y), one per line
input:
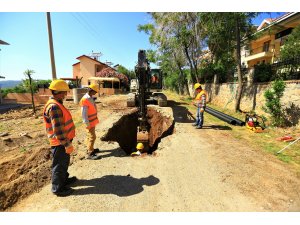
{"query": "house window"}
(266, 46)
(97, 69)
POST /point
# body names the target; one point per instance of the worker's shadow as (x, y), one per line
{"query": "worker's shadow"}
(121, 186)
(180, 112)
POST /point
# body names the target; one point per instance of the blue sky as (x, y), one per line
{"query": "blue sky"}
(113, 34)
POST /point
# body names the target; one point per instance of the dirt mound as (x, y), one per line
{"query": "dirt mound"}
(25, 162)
(23, 174)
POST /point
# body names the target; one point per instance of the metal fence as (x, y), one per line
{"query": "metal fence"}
(285, 70)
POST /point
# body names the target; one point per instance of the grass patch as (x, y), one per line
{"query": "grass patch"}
(23, 149)
(265, 141)
(285, 158)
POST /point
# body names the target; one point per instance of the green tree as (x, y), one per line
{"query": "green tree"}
(273, 105)
(177, 37)
(28, 74)
(129, 73)
(225, 34)
(291, 48)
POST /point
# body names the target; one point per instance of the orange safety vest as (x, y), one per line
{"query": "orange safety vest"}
(203, 92)
(69, 127)
(92, 111)
(198, 97)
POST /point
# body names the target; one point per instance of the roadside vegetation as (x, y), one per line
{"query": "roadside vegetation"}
(25, 87)
(265, 141)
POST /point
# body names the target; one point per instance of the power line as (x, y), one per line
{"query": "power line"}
(82, 16)
(92, 30)
(87, 28)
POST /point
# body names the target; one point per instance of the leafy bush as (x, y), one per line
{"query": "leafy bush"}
(273, 106)
(262, 72)
(291, 48)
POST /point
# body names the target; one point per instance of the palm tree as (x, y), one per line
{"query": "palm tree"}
(28, 74)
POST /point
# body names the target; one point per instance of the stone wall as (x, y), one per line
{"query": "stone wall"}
(223, 95)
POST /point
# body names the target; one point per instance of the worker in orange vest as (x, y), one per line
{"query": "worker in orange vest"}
(90, 118)
(61, 131)
(200, 103)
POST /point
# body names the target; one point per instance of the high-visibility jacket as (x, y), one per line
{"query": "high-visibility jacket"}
(69, 126)
(87, 101)
(201, 101)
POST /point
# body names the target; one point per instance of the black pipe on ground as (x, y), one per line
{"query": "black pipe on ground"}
(238, 122)
(225, 117)
(221, 117)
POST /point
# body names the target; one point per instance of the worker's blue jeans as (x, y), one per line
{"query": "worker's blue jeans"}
(199, 118)
(60, 165)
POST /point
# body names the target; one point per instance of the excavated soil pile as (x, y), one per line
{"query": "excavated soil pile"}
(124, 131)
(25, 158)
(23, 175)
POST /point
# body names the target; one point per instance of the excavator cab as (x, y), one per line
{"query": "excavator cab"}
(155, 80)
(146, 88)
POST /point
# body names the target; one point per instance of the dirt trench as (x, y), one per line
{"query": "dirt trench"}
(124, 131)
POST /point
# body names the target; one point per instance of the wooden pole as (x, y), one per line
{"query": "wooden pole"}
(51, 47)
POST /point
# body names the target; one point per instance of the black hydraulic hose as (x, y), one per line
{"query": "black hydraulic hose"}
(237, 121)
(220, 116)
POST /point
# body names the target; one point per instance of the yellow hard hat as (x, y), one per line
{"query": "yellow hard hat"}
(140, 146)
(197, 85)
(94, 87)
(59, 85)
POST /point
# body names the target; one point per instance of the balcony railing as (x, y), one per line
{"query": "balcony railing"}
(260, 49)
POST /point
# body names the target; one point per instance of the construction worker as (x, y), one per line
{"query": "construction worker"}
(89, 117)
(61, 131)
(139, 149)
(200, 103)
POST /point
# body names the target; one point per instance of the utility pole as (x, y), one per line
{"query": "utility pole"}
(51, 46)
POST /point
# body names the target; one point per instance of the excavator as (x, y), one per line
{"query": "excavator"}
(148, 91)
(148, 83)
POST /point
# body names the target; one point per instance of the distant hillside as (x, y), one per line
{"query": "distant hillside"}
(9, 83)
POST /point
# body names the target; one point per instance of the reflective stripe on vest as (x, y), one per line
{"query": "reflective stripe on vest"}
(92, 111)
(69, 126)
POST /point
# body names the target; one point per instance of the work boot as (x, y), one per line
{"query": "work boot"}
(71, 180)
(194, 124)
(65, 191)
(198, 127)
(93, 156)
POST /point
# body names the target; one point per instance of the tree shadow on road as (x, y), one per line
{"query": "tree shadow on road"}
(121, 186)
(180, 113)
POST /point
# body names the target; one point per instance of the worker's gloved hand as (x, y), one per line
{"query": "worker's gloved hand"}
(202, 110)
(69, 149)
